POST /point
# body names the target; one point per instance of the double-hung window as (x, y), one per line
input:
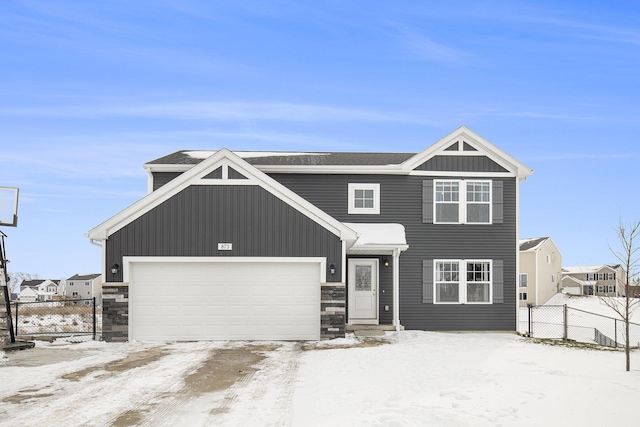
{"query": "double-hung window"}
(524, 278)
(364, 199)
(462, 282)
(462, 201)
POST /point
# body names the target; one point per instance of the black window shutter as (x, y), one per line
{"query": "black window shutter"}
(498, 281)
(427, 281)
(498, 212)
(427, 201)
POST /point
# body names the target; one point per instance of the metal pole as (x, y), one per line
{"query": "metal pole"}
(94, 318)
(530, 307)
(7, 298)
(615, 331)
(17, 318)
(565, 326)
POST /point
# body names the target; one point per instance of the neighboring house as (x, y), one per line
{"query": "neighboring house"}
(293, 246)
(600, 280)
(540, 270)
(39, 290)
(85, 286)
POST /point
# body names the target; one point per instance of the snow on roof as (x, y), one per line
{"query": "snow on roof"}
(204, 154)
(531, 244)
(378, 234)
(585, 269)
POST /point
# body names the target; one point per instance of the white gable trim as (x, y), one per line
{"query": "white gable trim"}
(483, 146)
(195, 176)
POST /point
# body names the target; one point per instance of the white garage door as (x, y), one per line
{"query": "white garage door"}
(241, 300)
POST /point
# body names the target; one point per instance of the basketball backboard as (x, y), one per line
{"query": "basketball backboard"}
(9, 206)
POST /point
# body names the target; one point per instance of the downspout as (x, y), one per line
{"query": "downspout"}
(517, 284)
(396, 289)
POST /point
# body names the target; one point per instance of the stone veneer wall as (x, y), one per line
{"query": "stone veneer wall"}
(332, 310)
(115, 312)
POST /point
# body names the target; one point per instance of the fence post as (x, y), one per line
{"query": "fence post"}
(94, 318)
(16, 319)
(565, 326)
(530, 307)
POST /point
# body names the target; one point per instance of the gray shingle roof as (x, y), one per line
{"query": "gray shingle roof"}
(316, 158)
(83, 277)
(532, 243)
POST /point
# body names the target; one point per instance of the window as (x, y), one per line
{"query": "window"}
(70, 283)
(462, 202)
(591, 276)
(524, 278)
(611, 289)
(87, 283)
(553, 278)
(523, 296)
(74, 294)
(364, 199)
(600, 288)
(462, 282)
(611, 276)
(548, 259)
(600, 276)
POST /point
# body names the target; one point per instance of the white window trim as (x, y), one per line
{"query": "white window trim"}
(462, 202)
(375, 210)
(462, 281)
(526, 296)
(520, 280)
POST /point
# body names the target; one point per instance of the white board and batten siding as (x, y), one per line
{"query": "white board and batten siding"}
(224, 298)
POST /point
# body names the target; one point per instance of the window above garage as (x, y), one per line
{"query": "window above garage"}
(364, 199)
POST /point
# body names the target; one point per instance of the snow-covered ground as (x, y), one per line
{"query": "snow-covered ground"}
(413, 379)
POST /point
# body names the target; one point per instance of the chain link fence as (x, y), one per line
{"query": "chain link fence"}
(74, 320)
(563, 322)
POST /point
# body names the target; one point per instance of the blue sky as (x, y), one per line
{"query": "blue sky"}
(92, 90)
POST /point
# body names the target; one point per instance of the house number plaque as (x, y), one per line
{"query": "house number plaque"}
(225, 246)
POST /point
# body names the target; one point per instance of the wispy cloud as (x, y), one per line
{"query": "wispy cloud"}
(424, 47)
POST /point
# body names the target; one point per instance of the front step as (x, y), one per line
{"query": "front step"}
(370, 330)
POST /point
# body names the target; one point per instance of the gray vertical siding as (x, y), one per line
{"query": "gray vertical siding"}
(194, 221)
(401, 202)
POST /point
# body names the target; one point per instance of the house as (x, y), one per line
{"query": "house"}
(39, 290)
(540, 271)
(599, 280)
(296, 246)
(85, 286)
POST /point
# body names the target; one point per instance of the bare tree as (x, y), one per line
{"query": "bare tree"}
(15, 279)
(627, 254)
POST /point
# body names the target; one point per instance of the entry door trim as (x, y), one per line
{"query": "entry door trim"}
(358, 296)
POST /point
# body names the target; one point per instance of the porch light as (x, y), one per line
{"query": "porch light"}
(115, 268)
(386, 262)
(332, 269)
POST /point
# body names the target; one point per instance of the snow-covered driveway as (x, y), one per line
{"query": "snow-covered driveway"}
(411, 379)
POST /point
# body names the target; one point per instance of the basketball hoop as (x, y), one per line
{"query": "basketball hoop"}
(9, 206)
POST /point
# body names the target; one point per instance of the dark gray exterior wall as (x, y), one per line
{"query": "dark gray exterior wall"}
(401, 202)
(161, 178)
(194, 221)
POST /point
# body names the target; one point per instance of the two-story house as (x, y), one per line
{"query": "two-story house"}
(84, 286)
(39, 290)
(294, 246)
(599, 280)
(540, 271)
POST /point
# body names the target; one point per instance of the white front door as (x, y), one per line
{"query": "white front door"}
(363, 291)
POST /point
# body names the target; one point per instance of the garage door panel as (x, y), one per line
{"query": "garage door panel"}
(224, 300)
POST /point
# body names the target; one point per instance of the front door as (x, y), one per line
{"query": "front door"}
(363, 291)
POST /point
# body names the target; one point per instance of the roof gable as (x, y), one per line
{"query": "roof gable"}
(463, 142)
(221, 168)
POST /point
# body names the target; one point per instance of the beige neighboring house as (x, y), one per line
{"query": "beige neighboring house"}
(540, 270)
(599, 280)
(85, 286)
(39, 290)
